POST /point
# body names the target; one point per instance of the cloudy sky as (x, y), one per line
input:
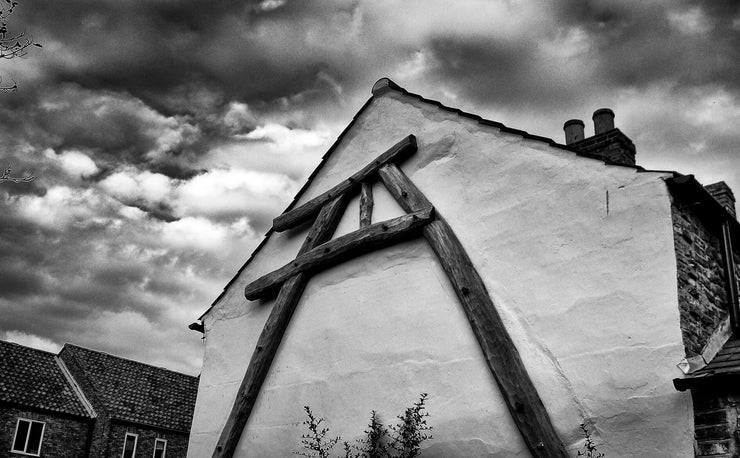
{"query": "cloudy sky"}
(164, 135)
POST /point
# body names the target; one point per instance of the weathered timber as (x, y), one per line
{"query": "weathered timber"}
(499, 350)
(335, 251)
(366, 204)
(731, 282)
(269, 340)
(299, 214)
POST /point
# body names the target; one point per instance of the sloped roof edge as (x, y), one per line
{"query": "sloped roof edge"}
(380, 87)
(32, 378)
(67, 344)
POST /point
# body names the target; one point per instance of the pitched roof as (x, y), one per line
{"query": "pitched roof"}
(137, 392)
(723, 368)
(380, 87)
(34, 378)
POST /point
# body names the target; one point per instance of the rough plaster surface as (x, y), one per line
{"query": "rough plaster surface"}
(577, 256)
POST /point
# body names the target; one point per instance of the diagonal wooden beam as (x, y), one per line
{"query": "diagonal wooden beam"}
(366, 204)
(499, 350)
(269, 340)
(299, 214)
(334, 251)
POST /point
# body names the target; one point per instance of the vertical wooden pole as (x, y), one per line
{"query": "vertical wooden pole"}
(499, 350)
(366, 204)
(728, 256)
(272, 334)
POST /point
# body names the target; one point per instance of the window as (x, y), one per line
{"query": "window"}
(160, 446)
(28, 436)
(129, 445)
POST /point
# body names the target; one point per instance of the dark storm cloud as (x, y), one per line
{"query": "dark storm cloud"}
(151, 49)
(165, 135)
(639, 43)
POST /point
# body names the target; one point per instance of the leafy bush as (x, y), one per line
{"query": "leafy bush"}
(402, 440)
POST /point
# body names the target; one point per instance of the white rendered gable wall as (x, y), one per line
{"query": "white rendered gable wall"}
(588, 297)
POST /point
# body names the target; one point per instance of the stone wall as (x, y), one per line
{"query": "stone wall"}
(702, 295)
(64, 437)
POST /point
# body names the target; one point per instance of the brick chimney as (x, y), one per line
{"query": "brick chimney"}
(608, 142)
(723, 194)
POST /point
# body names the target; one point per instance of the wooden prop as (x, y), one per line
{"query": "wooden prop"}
(731, 283)
(299, 214)
(366, 204)
(269, 340)
(499, 350)
(335, 251)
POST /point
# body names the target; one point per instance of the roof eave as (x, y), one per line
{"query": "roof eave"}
(710, 381)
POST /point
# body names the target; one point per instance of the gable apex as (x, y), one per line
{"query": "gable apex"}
(381, 88)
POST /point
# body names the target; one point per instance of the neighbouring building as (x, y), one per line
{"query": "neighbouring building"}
(527, 286)
(85, 403)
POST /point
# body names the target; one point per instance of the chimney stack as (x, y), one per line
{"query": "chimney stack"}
(603, 120)
(573, 131)
(723, 194)
(608, 142)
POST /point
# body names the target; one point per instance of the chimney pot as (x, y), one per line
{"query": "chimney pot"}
(603, 120)
(573, 131)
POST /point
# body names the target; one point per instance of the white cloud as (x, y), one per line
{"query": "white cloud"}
(62, 206)
(31, 340)
(74, 163)
(690, 22)
(131, 184)
(194, 232)
(238, 117)
(282, 138)
(269, 5)
(223, 191)
(132, 213)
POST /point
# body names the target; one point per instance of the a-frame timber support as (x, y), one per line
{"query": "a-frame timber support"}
(317, 253)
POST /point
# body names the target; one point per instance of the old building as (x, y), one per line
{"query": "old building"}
(527, 286)
(85, 403)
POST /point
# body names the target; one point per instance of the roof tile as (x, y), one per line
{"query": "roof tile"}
(33, 378)
(137, 392)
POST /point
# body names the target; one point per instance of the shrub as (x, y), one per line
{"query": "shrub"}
(402, 440)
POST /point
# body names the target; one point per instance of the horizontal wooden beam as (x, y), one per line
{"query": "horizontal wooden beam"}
(272, 334)
(303, 212)
(499, 350)
(337, 250)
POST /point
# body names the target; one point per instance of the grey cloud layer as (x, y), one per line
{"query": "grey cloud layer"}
(166, 135)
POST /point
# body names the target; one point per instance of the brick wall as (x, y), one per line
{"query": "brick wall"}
(702, 295)
(612, 145)
(717, 430)
(64, 437)
(177, 444)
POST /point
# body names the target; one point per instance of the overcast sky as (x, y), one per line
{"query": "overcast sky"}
(165, 135)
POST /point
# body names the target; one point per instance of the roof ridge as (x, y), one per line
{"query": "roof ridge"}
(380, 87)
(28, 347)
(67, 344)
(75, 387)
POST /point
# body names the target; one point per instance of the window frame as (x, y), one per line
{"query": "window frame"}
(164, 450)
(136, 443)
(28, 435)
